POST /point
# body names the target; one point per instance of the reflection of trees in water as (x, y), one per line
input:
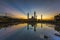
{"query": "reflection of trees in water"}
(57, 27)
(4, 25)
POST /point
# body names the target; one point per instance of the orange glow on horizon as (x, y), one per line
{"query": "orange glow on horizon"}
(46, 18)
(25, 17)
(22, 16)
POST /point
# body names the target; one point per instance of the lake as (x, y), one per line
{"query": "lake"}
(25, 31)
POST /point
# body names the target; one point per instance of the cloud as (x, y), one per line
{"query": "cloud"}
(12, 12)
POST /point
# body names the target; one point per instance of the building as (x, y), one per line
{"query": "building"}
(57, 18)
(33, 18)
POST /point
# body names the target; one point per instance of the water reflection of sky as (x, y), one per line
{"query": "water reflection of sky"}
(29, 32)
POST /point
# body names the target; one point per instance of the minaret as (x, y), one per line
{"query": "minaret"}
(35, 15)
(41, 17)
(28, 15)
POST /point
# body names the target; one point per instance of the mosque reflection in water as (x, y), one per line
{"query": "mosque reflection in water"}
(42, 30)
(34, 26)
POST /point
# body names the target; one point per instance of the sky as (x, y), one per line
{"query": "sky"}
(20, 8)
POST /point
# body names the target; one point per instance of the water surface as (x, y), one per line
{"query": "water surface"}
(39, 31)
